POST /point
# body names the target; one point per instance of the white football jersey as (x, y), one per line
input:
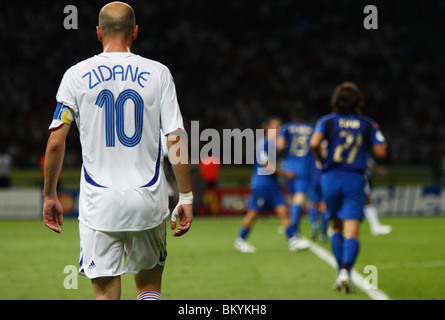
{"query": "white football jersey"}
(120, 102)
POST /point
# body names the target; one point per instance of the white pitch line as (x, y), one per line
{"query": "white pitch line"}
(356, 277)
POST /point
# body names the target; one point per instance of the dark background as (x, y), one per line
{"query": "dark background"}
(237, 62)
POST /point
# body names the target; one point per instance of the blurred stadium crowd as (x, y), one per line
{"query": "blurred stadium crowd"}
(236, 62)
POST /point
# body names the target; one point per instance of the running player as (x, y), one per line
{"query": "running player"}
(350, 137)
(120, 102)
(266, 192)
(294, 140)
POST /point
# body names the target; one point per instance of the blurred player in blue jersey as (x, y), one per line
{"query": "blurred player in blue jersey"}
(294, 139)
(351, 137)
(316, 204)
(266, 192)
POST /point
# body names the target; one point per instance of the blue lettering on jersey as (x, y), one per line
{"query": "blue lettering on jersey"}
(104, 73)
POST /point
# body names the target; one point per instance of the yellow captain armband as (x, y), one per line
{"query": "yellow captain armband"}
(64, 114)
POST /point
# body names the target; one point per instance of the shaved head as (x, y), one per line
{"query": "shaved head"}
(117, 18)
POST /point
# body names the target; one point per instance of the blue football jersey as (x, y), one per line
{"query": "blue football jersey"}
(298, 157)
(350, 140)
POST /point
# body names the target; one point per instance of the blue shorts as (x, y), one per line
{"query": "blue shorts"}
(298, 185)
(265, 199)
(344, 194)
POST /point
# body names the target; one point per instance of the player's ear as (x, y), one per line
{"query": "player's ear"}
(135, 32)
(99, 34)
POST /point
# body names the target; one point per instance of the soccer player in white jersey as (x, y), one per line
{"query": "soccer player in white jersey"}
(120, 102)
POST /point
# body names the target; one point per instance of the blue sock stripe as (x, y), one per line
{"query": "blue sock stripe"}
(149, 295)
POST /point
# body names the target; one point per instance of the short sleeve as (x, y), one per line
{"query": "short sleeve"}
(171, 118)
(62, 115)
(377, 135)
(320, 126)
(283, 132)
(66, 107)
(66, 92)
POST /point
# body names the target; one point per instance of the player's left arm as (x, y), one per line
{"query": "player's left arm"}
(55, 152)
(177, 148)
(380, 147)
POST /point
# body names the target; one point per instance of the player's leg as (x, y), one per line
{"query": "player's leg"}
(146, 255)
(102, 260)
(257, 201)
(337, 241)
(296, 209)
(247, 223)
(331, 190)
(313, 218)
(283, 213)
(301, 187)
(244, 231)
(372, 216)
(350, 249)
(351, 213)
(148, 283)
(293, 242)
(106, 288)
(351, 243)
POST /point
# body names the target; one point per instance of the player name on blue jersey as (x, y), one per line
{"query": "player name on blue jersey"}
(300, 129)
(348, 124)
(104, 73)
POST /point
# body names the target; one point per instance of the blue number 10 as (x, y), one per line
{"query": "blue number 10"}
(114, 116)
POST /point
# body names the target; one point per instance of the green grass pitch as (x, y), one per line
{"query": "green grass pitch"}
(204, 265)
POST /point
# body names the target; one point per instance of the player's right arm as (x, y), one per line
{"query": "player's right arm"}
(55, 151)
(316, 141)
(315, 144)
(281, 139)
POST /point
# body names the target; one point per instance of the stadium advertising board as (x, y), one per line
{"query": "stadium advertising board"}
(20, 204)
(409, 201)
(389, 201)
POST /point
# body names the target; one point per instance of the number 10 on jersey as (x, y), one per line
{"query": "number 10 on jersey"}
(114, 116)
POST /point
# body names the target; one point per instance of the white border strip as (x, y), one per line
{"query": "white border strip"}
(357, 278)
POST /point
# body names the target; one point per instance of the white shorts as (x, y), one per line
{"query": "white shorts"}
(102, 254)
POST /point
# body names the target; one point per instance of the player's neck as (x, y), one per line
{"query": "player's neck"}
(116, 46)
